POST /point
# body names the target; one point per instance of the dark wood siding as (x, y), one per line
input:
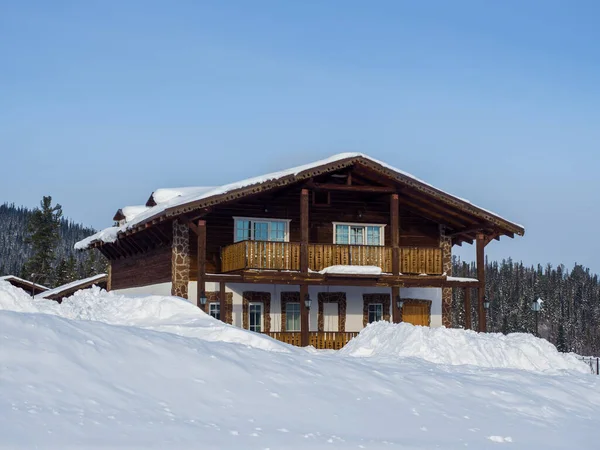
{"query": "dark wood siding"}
(143, 269)
(344, 207)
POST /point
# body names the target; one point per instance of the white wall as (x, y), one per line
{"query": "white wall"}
(152, 289)
(354, 299)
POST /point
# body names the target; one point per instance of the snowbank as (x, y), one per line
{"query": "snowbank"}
(160, 313)
(460, 347)
(87, 383)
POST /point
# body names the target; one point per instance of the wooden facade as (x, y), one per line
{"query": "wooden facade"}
(420, 224)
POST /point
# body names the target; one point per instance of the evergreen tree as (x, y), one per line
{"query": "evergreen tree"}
(61, 273)
(561, 342)
(43, 229)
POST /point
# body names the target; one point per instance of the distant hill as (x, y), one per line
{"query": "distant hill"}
(14, 251)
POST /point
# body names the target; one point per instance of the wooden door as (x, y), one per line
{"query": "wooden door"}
(417, 312)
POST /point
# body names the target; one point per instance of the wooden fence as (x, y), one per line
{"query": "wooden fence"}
(322, 340)
(593, 363)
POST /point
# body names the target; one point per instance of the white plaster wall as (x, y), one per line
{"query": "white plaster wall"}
(354, 299)
(433, 294)
(152, 289)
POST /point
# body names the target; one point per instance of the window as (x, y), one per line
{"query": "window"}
(375, 312)
(214, 309)
(292, 317)
(260, 229)
(358, 234)
(255, 312)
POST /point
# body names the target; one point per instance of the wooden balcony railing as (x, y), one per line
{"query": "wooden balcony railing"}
(326, 255)
(322, 340)
(268, 255)
(265, 255)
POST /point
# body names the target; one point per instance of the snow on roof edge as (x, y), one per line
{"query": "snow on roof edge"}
(72, 284)
(109, 235)
(22, 280)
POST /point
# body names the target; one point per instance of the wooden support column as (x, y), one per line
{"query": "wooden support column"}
(304, 322)
(468, 308)
(395, 238)
(201, 285)
(481, 243)
(109, 279)
(222, 302)
(304, 231)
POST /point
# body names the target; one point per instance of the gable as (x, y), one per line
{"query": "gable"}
(463, 219)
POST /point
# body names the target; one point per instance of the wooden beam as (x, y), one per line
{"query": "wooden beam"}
(395, 233)
(351, 188)
(304, 319)
(481, 277)
(433, 215)
(395, 238)
(396, 313)
(468, 308)
(304, 231)
(201, 282)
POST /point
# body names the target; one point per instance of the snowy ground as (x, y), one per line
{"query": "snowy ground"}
(102, 371)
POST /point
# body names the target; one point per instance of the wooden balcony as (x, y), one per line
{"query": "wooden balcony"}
(266, 255)
(322, 340)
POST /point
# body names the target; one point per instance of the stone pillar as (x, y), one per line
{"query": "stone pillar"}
(446, 246)
(180, 259)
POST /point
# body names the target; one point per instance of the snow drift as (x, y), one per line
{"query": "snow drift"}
(161, 313)
(87, 383)
(460, 347)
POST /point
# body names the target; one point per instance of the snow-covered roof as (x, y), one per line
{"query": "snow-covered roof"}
(73, 285)
(163, 195)
(12, 278)
(173, 199)
(131, 212)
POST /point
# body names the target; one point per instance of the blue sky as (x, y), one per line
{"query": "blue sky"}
(497, 102)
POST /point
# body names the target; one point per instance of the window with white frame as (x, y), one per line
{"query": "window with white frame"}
(358, 234)
(214, 309)
(255, 312)
(292, 317)
(246, 229)
(375, 312)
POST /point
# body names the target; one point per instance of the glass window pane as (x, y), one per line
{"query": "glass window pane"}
(356, 235)
(341, 234)
(242, 230)
(277, 231)
(255, 313)
(374, 235)
(261, 231)
(292, 317)
(214, 309)
(375, 312)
